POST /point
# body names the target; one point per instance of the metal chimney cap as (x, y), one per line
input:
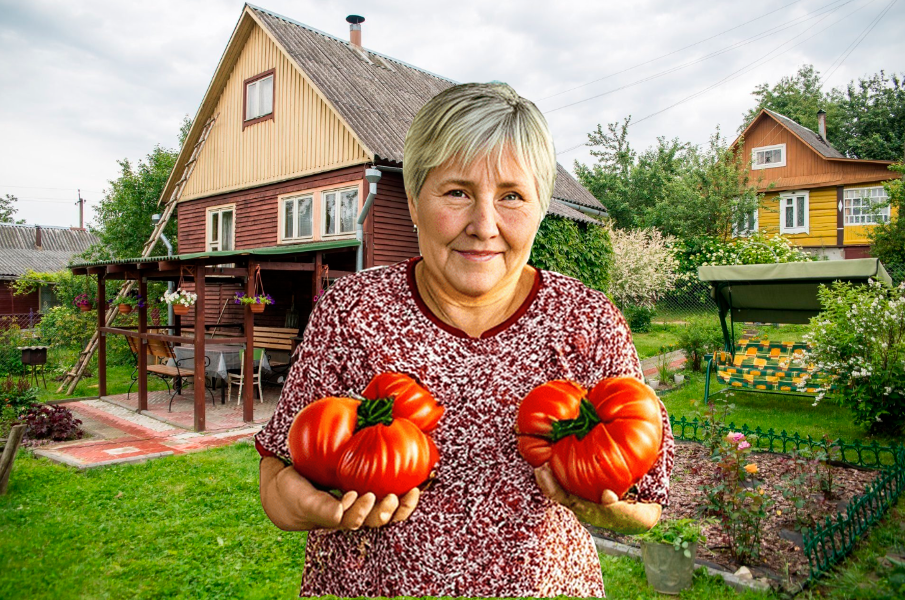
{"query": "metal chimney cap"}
(355, 19)
(155, 218)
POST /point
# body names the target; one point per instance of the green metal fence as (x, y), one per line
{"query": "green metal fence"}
(827, 543)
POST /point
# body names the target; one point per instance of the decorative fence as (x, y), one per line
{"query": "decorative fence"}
(827, 543)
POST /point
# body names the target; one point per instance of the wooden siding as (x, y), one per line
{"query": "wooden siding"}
(16, 305)
(305, 135)
(393, 236)
(804, 168)
(257, 210)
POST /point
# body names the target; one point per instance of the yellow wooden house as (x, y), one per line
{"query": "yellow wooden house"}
(813, 194)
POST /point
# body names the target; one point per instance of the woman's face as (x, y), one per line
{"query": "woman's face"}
(476, 224)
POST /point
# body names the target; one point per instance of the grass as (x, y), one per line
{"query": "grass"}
(648, 344)
(119, 377)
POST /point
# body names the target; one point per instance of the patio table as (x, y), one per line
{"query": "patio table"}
(223, 358)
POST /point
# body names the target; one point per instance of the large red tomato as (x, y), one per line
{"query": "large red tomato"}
(606, 439)
(378, 444)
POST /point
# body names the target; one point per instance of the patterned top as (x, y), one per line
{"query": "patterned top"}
(483, 528)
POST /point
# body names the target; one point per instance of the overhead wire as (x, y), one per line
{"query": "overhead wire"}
(647, 62)
(855, 43)
(755, 38)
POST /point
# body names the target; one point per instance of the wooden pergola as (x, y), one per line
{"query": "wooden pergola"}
(197, 268)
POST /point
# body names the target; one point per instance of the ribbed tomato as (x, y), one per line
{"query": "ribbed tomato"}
(606, 439)
(378, 444)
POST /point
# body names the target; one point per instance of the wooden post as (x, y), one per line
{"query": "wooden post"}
(318, 262)
(200, 421)
(9, 455)
(143, 345)
(101, 337)
(248, 388)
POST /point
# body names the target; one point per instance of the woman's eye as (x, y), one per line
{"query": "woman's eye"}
(456, 193)
(512, 196)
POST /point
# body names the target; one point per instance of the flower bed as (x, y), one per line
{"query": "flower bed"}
(858, 482)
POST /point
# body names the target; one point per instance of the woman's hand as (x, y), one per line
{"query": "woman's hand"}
(612, 513)
(293, 504)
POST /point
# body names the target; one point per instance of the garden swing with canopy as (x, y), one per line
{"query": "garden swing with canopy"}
(773, 293)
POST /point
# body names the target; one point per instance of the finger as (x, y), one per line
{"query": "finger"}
(608, 497)
(348, 500)
(407, 504)
(380, 515)
(549, 486)
(355, 516)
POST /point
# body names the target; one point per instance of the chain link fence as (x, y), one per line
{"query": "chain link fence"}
(21, 320)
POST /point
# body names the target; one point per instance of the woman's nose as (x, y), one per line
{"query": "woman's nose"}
(483, 219)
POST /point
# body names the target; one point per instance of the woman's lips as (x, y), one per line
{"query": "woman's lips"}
(477, 256)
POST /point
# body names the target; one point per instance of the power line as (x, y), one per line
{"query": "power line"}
(31, 187)
(736, 45)
(647, 62)
(860, 38)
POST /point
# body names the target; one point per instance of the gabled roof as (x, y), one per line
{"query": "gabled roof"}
(807, 136)
(58, 245)
(376, 96)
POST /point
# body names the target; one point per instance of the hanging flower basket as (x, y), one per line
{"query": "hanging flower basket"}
(259, 299)
(181, 300)
(83, 301)
(125, 308)
(180, 309)
(84, 307)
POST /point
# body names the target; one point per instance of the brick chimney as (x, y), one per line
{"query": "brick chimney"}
(355, 22)
(38, 237)
(821, 125)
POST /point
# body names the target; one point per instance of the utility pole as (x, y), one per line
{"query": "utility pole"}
(81, 204)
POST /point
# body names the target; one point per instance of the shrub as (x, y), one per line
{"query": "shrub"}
(638, 318)
(555, 247)
(697, 338)
(680, 533)
(10, 356)
(44, 422)
(18, 394)
(859, 341)
(644, 268)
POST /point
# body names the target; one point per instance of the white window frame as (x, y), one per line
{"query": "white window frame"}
(336, 215)
(772, 165)
(210, 244)
(747, 230)
(850, 195)
(782, 212)
(295, 237)
(254, 97)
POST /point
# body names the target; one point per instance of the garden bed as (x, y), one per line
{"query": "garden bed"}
(783, 560)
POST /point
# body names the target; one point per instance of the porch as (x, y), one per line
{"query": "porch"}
(292, 275)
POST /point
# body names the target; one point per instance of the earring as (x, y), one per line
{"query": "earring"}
(415, 229)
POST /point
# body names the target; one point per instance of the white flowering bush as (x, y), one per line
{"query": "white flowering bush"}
(180, 296)
(858, 339)
(644, 267)
(756, 249)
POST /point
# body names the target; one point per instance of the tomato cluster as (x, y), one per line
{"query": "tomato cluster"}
(378, 444)
(607, 438)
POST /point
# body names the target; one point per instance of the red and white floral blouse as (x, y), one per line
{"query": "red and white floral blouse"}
(483, 528)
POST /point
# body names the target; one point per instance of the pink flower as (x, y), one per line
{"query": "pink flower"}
(735, 437)
(744, 445)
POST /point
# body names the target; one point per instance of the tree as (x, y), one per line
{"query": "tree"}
(574, 249)
(610, 179)
(8, 209)
(123, 219)
(888, 239)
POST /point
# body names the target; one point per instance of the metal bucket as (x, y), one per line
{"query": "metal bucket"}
(668, 571)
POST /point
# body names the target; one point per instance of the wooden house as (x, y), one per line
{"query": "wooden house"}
(37, 248)
(300, 117)
(814, 195)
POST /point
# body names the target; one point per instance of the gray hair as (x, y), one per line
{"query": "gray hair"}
(472, 120)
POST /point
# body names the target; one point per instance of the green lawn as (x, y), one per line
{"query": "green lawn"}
(648, 344)
(118, 381)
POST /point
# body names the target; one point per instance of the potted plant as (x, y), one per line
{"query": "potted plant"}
(130, 302)
(678, 378)
(181, 300)
(668, 551)
(257, 302)
(653, 382)
(83, 301)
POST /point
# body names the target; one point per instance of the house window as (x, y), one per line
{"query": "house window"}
(297, 218)
(221, 228)
(862, 206)
(258, 98)
(340, 209)
(768, 157)
(746, 224)
(793, 212)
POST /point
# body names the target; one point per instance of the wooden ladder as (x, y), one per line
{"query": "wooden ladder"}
(75, 375)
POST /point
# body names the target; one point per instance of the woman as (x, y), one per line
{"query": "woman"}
(479, 328)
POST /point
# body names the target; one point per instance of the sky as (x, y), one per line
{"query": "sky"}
(87, 84)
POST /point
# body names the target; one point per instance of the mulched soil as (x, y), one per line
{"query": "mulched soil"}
(782, 560)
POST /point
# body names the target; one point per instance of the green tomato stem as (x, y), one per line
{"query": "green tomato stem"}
(579, 427)
(373, 412)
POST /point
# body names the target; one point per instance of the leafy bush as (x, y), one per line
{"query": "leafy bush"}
(555, 250)
(11, 337)
(697, 338)
(644, 267)
(858, 339)
(638, 318)
(18, 394)
(888, 239)
(45, 422)
(680, 533)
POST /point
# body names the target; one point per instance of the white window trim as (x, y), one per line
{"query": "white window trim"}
(207, 225)
(807, 213)
(885, 211)
(782, 163)
(255, 86)
(323, 211)
(746, 232)
(282, 218)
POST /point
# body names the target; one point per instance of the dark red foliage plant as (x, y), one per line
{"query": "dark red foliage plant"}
(51, 422)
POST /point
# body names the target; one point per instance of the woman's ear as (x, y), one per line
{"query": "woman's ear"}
(413, 212)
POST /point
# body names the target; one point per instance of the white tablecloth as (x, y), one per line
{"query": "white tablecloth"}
(223, 357)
